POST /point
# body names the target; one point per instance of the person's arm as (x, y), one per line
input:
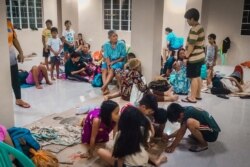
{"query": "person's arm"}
(190, 48)
(78, 71)
(180, 133)
(43, 40)
(216, 55)
(61, 47)
(79, 48)
(115, 130)
(19, 49)
(116, 61)
(94, 132)
(52, 50)
(237, 84)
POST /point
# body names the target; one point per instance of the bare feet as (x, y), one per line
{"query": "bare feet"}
(106, 97)
(22, 103)
(49, 83)
(161, 160)
(39, 87)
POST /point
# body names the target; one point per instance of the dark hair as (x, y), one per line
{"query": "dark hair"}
(111, 32)
(192, 13)
(213, 36)
(107, 108)
(160, 116)
(75, 55)
(131, 55)
(66, 22)
(168, 29)
(54, 29)
(87, 44)
(178, 53)
(173, 112)
(150, 101)
(133, 130)
(48, 21)
(79, 34)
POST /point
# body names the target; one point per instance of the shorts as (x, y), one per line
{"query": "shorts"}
(46, 54)
(3, 133)
(68, 49)
(208, 134)
(55, 60)
(30, 79)
(194, 70)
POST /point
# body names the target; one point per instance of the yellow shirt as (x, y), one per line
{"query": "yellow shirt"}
(47, 34)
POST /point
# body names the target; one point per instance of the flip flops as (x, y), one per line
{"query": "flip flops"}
(23, 105)
(187, 100)
(197, 148)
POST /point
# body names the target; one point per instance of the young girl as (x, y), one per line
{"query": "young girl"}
(130, 140)
(98, 124)
(211, 57)
(80, 41)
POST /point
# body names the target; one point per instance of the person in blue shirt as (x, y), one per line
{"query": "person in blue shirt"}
(114, 54)
(173, 43)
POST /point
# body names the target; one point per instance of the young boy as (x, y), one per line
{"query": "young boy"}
(55, 47)
(46, 34)
(68, 39)
(199, 122)
(75, 69)
(195, 54)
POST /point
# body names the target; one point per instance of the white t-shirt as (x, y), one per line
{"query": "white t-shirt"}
(55, 44)
(230, 85)
(69, 35)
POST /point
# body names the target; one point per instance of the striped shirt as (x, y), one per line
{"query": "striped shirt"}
(196, 37)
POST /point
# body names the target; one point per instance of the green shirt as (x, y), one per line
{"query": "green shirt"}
(196, 37)
(202, 116)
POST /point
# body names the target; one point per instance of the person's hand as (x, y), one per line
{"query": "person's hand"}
(170, 149)
(165, 137)
(87, 155)
(20, 57)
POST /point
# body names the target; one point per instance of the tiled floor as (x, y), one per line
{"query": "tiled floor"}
(233, 115)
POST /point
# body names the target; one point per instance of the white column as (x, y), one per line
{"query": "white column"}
(146, 34)
(6, 99)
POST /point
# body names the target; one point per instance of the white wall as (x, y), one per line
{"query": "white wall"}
(225, 20)
(31, 41)
(6, 102)
(173, 17)
(91, 24)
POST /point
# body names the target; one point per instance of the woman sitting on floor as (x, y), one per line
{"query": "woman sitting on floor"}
(98, 124)
(35, 76)
(134, 76)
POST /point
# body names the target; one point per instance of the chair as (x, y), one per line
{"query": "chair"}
(5, 160)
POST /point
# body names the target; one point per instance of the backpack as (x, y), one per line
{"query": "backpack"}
(97, 81)
(23, 140)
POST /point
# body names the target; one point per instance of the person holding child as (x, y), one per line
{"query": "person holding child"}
(98, 125)
(114, 54)
(55, 46)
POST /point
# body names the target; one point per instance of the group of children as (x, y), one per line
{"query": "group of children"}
(134, 127)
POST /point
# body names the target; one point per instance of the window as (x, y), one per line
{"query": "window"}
(245, 26)
(117, 14)
(25, 13)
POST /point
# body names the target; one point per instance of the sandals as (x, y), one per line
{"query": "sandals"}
(23, 105)
(187, 100)
(197, 148)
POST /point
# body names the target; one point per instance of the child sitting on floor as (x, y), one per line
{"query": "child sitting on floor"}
(178, 78)
(199, 122)
(98, 124)
(130, 140)
(35, 76)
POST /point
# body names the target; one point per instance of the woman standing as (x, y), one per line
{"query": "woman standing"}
(14, 43)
